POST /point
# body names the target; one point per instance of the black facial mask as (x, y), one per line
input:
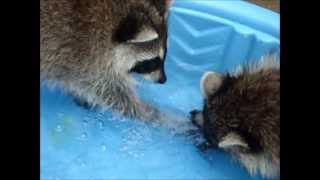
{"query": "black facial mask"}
(148, 66)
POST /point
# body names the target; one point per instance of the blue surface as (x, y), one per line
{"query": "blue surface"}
(203, 35)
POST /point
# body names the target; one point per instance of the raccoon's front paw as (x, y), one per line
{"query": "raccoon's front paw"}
(147, 112)
(196, 118)
(175, 121)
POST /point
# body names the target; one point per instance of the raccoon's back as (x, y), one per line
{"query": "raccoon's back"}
(73, 34)
(65, 18)
(263, 103)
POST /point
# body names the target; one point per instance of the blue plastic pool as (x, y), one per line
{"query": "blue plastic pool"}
(203, 35)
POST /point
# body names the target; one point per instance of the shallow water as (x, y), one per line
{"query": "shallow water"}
(76, 143)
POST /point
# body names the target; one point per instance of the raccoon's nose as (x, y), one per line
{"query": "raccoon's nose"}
(162, 80)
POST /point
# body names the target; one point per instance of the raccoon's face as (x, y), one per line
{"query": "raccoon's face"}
(223, 123)
(141, 38)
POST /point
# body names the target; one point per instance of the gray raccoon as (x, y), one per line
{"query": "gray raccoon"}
(241, 115)
(91, 47)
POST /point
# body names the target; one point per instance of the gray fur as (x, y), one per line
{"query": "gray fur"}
(79, 51)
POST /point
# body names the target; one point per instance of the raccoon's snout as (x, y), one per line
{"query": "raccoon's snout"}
(162, 81)
(162, 78)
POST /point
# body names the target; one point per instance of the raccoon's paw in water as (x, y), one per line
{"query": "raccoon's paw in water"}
(176, 122)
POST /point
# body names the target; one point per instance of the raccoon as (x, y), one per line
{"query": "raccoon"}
(241, 115)
(91, 48)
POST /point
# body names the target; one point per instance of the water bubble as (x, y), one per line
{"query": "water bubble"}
(103, 147)
(112, 118)
(80, 162)
(124, 148)
(135, 155)
(85, 123)
(99, 115)
(60, 115)
(84, 136)
(83, 164)
(101, 124)
(59, 128)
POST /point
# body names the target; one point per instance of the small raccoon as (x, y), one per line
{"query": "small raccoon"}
(91, 47)
(241, 115)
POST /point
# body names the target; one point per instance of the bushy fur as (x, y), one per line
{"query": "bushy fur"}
(241, 115)
(86, 49)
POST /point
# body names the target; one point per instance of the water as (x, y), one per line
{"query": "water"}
(82, 144)
(103, 147)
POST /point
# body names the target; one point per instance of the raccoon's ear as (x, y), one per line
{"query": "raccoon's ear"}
(232, 140)
(210, 83)
(145, 34)
(168, 3)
